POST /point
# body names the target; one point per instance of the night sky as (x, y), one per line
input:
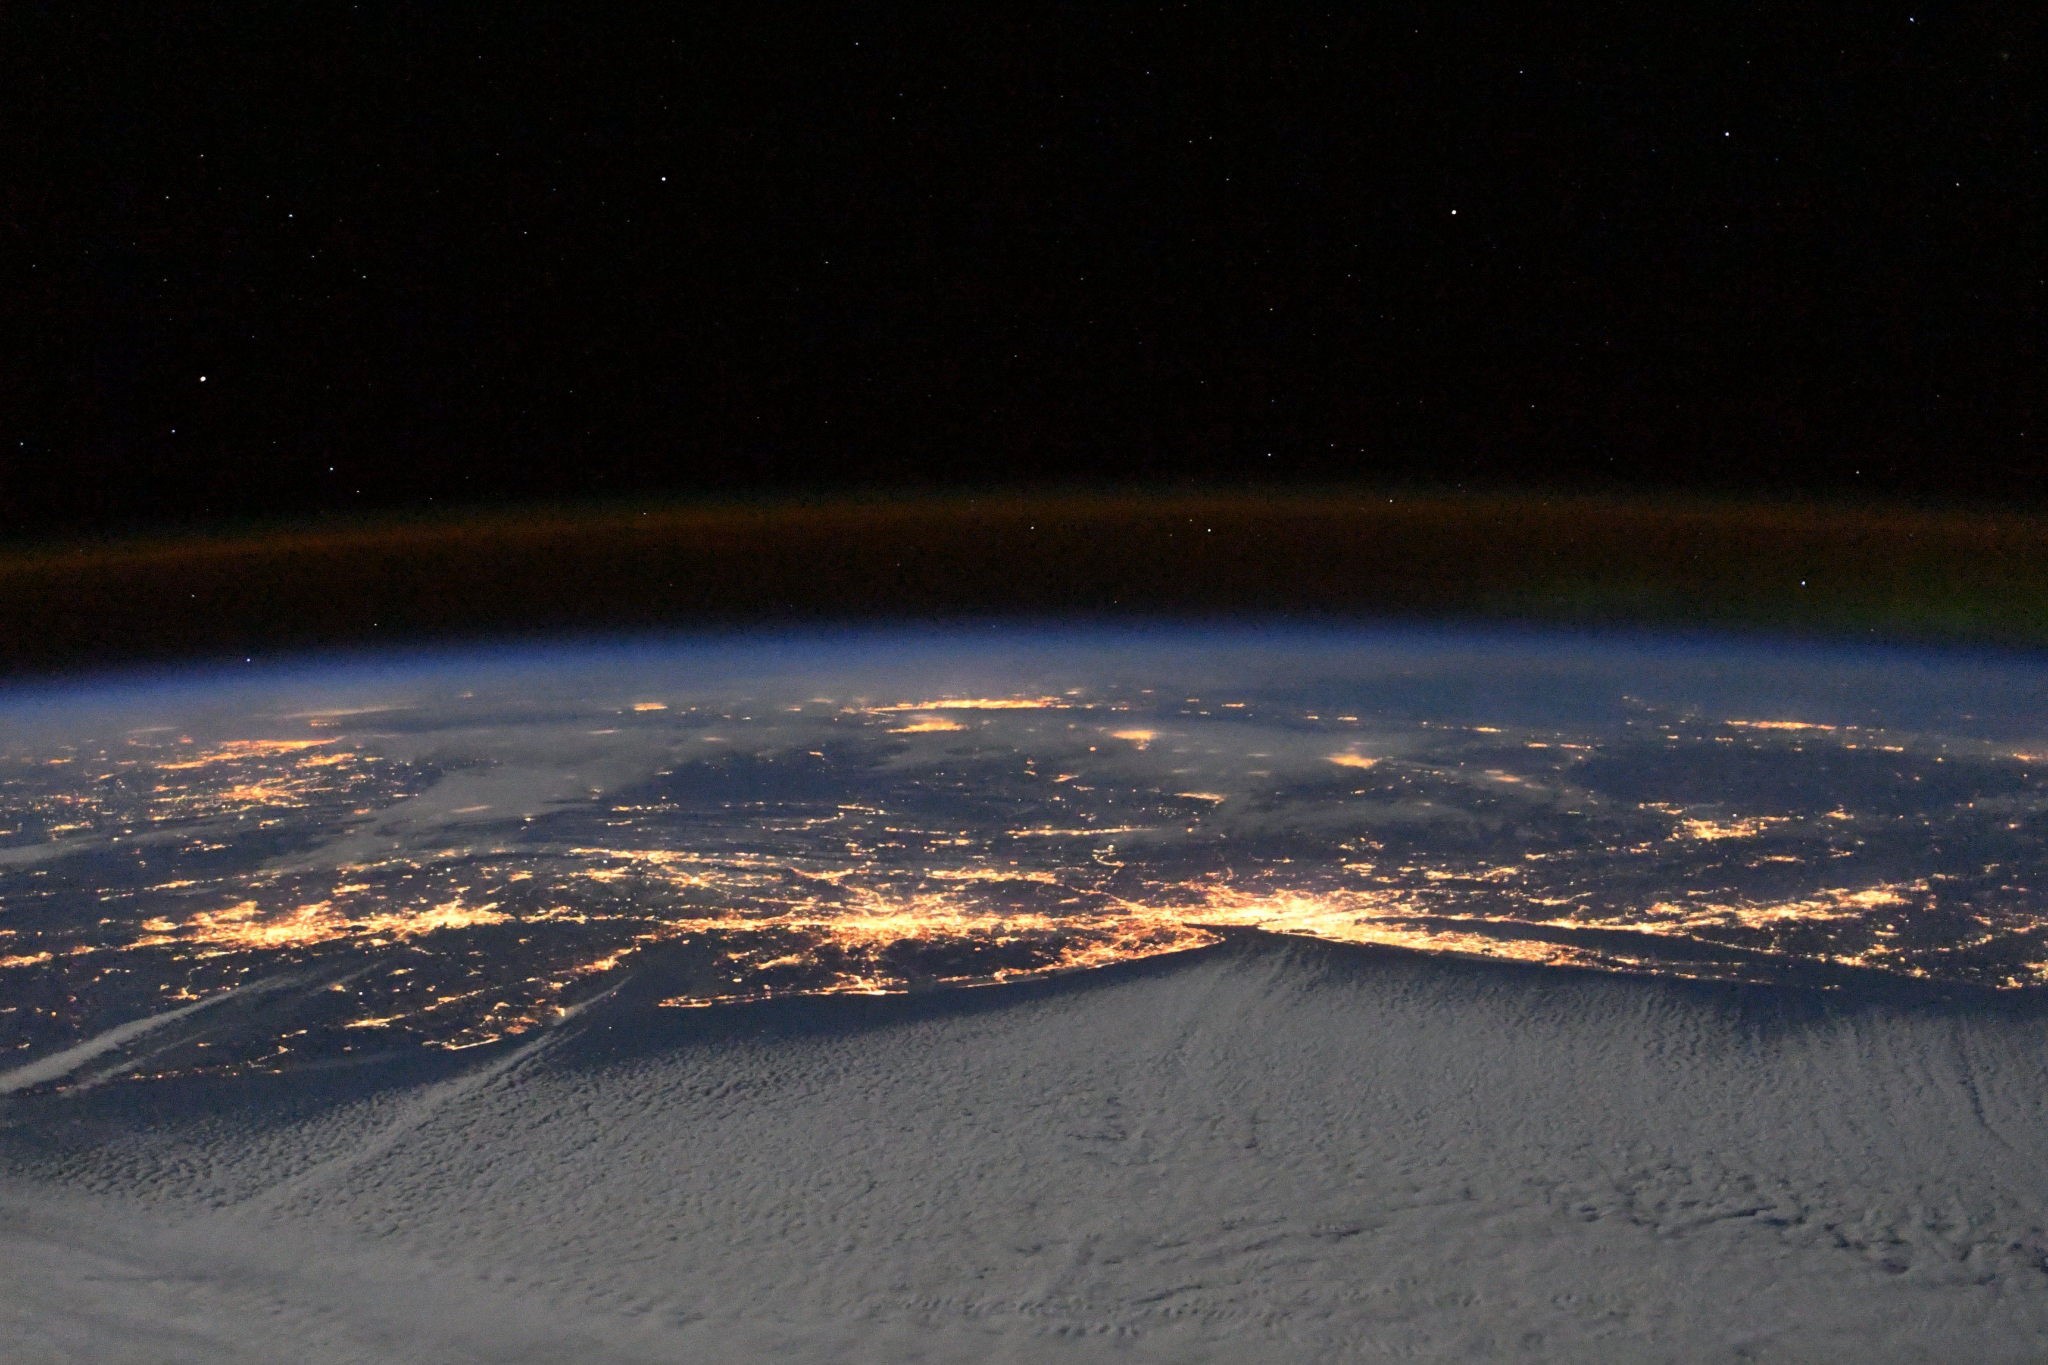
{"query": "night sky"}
(301, 261)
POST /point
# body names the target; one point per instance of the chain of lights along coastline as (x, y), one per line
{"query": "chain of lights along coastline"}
(455, 849)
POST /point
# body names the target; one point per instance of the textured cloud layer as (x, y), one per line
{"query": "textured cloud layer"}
(1305, 1152)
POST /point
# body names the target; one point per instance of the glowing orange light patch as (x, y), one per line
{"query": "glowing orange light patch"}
(241, 750)
(1776, 725)
(979, 704)
(926, 725)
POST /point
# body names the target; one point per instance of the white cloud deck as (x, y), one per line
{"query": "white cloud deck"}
(1268, 1151)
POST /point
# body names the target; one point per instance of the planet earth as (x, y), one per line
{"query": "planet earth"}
(1174, 992)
